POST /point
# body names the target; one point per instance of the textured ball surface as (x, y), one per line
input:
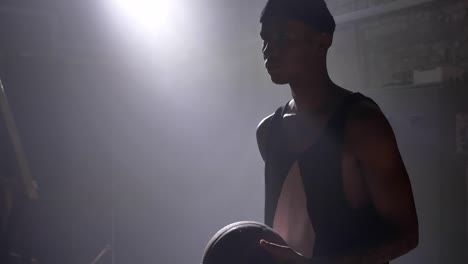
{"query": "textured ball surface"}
(238, 243)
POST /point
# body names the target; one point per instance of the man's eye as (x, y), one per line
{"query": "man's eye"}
(289, 37)
(278, 39)
(266, 41)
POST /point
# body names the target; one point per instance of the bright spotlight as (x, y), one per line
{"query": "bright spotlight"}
(149, 16)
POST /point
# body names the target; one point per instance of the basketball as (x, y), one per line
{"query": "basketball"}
(239, 243)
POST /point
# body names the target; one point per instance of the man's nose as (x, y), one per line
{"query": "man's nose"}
(270, 49)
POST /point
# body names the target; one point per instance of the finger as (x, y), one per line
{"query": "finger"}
(275, 249)
(265, 243)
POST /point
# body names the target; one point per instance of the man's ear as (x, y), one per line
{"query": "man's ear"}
(325, 42)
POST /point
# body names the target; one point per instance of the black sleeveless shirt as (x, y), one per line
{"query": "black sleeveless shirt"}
(339, 228)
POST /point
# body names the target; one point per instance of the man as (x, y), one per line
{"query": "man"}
(337, 190)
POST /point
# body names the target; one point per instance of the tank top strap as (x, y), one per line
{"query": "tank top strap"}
(338, 119)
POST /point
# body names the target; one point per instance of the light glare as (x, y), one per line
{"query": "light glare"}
(149, 16)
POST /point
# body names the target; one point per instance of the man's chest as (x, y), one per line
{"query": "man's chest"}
(303, 134)
(300, 132)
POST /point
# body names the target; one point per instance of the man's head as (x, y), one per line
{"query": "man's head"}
(296, 36)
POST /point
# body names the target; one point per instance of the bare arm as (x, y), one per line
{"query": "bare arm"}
(373, 143)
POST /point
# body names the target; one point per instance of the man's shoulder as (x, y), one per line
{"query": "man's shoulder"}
(365, 111)
(262, 134)
(263, 128)
(264, 123)
(366, 121)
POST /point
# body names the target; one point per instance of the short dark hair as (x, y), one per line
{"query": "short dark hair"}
(313, 13)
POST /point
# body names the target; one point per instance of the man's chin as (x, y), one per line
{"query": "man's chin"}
(279, 79)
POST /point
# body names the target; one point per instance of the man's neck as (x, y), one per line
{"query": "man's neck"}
(314, 95)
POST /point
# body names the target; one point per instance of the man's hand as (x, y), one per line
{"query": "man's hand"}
(287, 255)
(283, 254)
